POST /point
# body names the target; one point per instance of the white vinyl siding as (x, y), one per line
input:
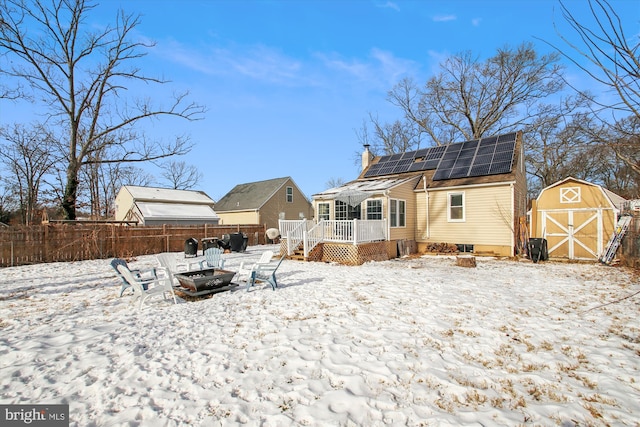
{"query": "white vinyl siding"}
(488, 217)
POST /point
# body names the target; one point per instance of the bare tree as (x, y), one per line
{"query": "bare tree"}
(105, 180)
(334, 182)
(81, 76)
(7, 202)
(613, 60)
(558, 142)
(27, 153)
(470, 99)
(180, 175)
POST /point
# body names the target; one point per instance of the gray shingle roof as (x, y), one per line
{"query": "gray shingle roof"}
(250, 196)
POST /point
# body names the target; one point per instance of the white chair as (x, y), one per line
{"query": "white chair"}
(214, 258)
(171, 265)
(245, 269)
(266, 272)
(264, 269)
(144, 289)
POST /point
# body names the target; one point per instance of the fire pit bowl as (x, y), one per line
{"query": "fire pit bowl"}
(205, 280)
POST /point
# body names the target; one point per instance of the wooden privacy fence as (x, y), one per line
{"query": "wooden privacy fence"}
(77, 241)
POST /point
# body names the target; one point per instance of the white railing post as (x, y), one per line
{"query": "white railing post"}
(305, 244)
(355, 231)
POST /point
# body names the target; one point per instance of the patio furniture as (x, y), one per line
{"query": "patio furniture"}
(171, 265)
(266, 272)
(213, 257)
(149, 273)
(145, 289)
(245, 270)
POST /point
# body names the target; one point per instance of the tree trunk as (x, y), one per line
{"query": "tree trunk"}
(70, 194)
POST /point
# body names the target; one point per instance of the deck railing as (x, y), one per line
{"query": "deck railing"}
(342, 231)
(293, 231)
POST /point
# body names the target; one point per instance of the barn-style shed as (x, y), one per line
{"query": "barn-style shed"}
(576, 217)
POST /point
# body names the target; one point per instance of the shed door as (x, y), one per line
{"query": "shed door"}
(573, 234)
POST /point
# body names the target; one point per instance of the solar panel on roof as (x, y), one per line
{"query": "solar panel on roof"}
(435, 152)
(487, 156)
(441, 174)
(459, 173)
(507, 137)
(477, 157)
(479, 170)
(500, 167)
(403, 166)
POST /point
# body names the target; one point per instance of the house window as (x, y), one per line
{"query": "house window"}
(374, 209)
(570, 195)
(341, 210)
(323, 211)
(397, 213)
(289, 194)
(345, 211)
(456, 207)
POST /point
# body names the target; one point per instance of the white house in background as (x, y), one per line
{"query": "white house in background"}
(155, 206)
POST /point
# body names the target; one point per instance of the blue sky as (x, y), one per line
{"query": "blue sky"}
(288, 83)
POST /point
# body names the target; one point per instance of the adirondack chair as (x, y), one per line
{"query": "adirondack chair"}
(214, 258)
(170, 265)
(264, 269)
(266, 272)
(153, 287)
(148, 273)
(245, 269)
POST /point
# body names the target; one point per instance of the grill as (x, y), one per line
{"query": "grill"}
(238, 242)
(191, 247)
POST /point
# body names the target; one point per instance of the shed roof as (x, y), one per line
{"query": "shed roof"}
(168, 195)
(250, 196)
(175, 211)
(615, 200)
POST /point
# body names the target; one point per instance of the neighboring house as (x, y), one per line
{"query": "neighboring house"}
(264, 203)
(470, 194)
(576, 217)
(154, 206)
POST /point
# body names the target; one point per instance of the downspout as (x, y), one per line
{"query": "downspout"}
(426, 199)
(513, 225)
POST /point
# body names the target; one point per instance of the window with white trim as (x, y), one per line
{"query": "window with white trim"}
(323, 211)
(289, 194)
(340, 210)
(397, 213)
(455, 207)
(374, 209)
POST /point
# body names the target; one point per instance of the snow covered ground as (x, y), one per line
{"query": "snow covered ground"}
(413, 341)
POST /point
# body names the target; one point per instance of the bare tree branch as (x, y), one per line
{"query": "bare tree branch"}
(82, 77)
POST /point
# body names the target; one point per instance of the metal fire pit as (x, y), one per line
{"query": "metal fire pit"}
(202, 282)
